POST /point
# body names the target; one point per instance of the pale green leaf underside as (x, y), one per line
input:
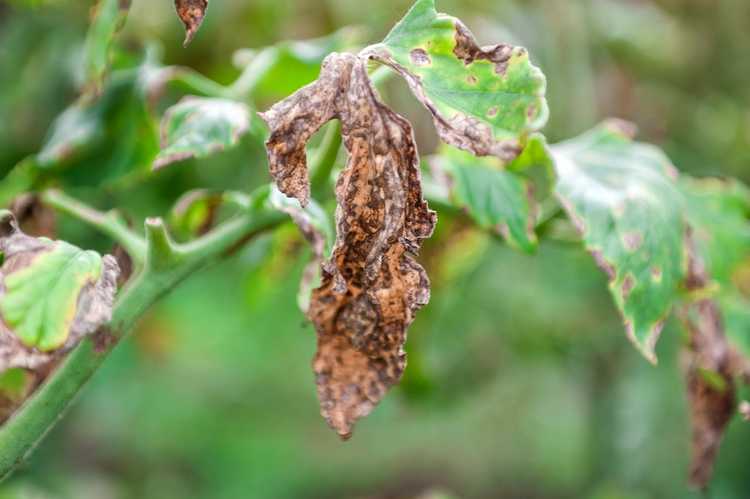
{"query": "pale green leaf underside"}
(198, 127)
(496, 199)
(459, 82)
(623, 199)
(40, 300)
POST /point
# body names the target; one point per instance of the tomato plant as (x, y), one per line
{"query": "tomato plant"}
(669, 244)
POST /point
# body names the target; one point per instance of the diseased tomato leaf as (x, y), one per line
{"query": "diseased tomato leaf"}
(51, 295)
(197, 127)
(496, 199)
(191, 13)
(372, 285)
(622, 197)
(485, 100)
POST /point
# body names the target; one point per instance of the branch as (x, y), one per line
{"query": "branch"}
(110, 223)
(166, 264)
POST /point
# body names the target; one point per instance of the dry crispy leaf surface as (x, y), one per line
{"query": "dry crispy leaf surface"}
(371, 285)
(52, 294)
(191, 13)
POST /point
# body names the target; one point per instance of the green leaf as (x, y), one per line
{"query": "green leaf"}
(109, 16)
(496, 199)
(198, 127)
(51, 291)
(483, 100)
(103, 138)
(718, 211)
(622, 197)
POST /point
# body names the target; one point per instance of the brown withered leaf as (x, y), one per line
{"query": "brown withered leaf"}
(708, 370)
(372, 285)
(191, 13)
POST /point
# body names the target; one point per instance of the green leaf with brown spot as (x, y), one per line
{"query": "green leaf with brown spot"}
(623, 198)
(197, 127)
(485, 100)
(51, 294)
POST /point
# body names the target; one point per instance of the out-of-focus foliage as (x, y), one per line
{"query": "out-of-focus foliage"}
(519, 383)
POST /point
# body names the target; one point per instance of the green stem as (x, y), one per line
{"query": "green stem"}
(325, 159)
(196, 83)
(166, 265)
(108, 223)
(253, 73)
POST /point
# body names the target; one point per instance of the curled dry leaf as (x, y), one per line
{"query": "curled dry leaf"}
(52, 294)
(710, 384)
(371, 285)
(191, 13)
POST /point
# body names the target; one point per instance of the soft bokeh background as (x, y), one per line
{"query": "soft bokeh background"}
(520, 383)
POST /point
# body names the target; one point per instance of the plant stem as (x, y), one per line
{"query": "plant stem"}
(166, 264)
(108, 223)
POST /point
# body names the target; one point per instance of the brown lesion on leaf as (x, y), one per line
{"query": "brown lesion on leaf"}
(604, 264)
(468, 51)
(632, 240)
(420, 57)
(191, 13)
(372, 285)
(628, 283)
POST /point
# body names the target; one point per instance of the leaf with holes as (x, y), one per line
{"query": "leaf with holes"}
(197, 127)
(485, 100)
(51, 295)
(496, 199)
(623, 199)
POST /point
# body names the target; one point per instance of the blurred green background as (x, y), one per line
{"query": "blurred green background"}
(520, 384)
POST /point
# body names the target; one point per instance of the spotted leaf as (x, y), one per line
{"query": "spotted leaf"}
(485, 100)
(622, 197)
(51, 295)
